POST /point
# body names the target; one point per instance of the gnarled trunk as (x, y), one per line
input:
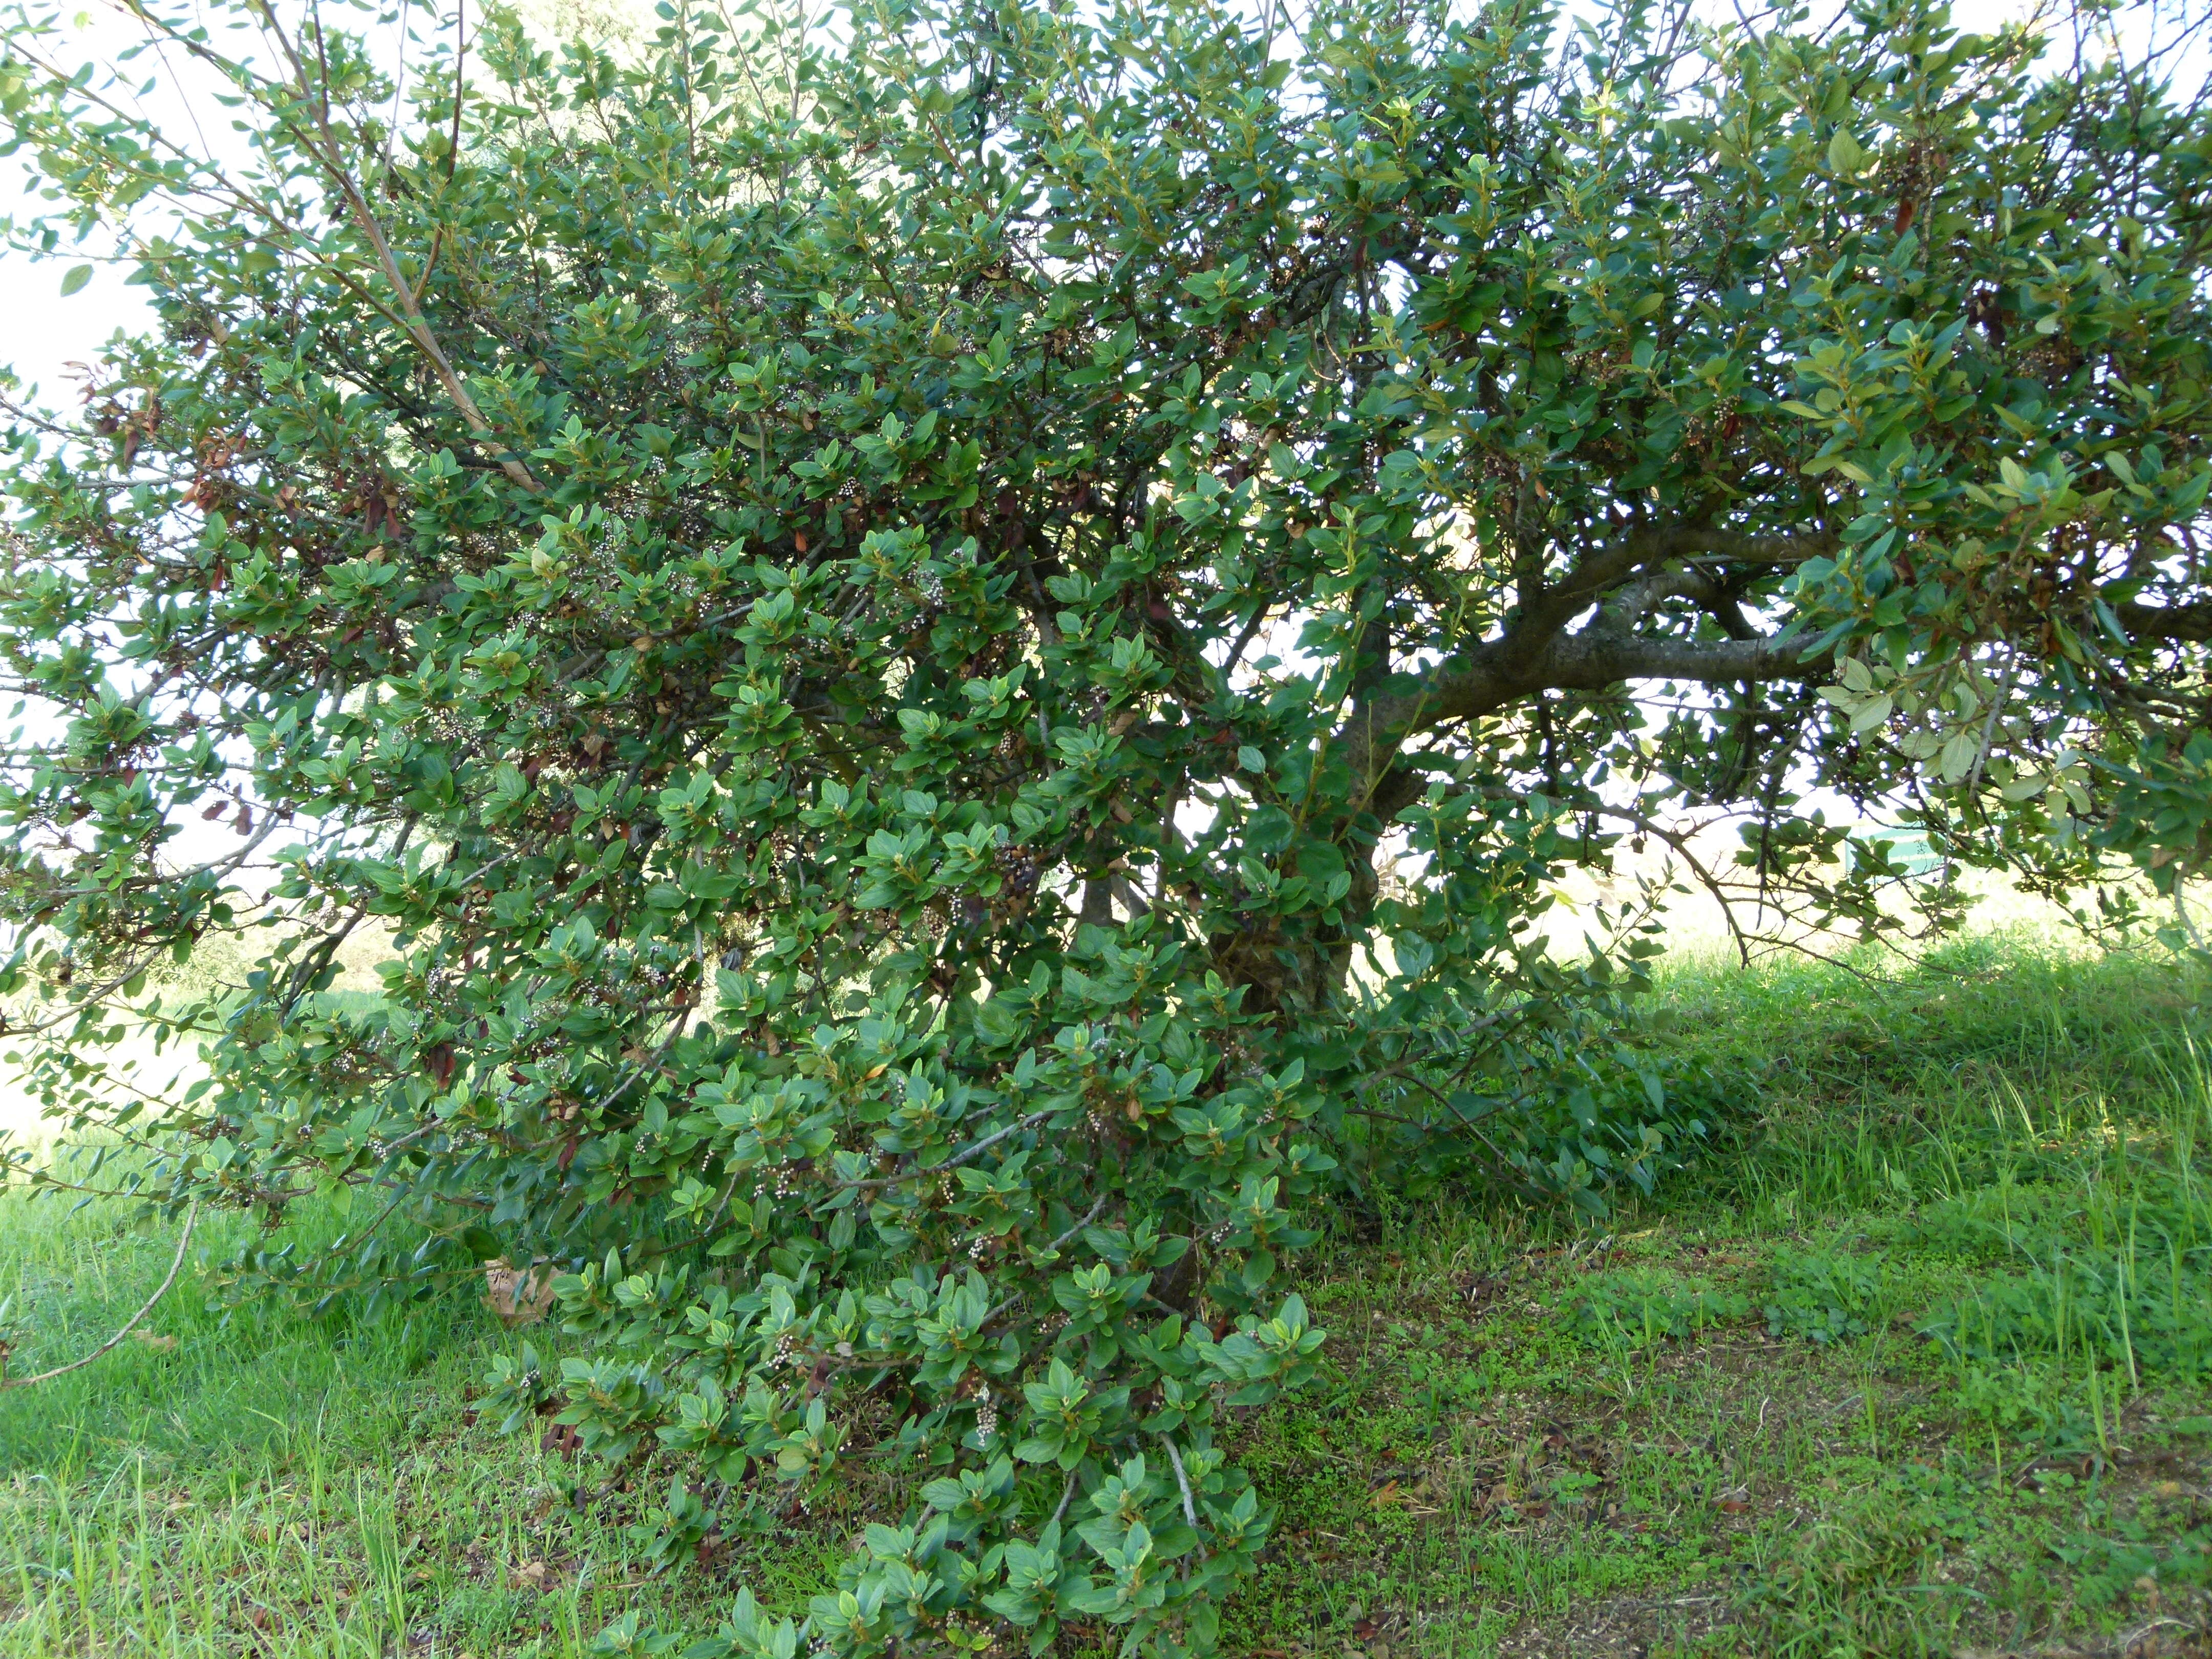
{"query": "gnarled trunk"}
(1296, 968)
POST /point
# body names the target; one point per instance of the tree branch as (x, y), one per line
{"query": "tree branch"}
(2191, 621)
(184, 1244)
(1537, 654)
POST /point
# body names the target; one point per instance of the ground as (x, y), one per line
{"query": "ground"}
(1917, 1361)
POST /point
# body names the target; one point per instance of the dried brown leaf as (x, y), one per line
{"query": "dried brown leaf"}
(518, 1296)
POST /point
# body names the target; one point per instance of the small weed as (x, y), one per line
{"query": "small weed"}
(1637, 1307)
(1822, 1298)
(2138, 1311)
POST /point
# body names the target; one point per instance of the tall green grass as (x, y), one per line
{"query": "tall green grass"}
(247, 1478)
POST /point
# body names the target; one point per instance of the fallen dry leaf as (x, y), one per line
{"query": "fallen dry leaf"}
(159, 1344)
(517, 1296)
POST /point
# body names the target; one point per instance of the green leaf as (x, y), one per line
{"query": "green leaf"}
(1871, 713)
(75, 279)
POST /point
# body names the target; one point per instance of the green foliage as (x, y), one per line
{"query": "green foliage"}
(2167, 1540)
(1816, 1297)
(1638, 1308)
(2129, 1306)
(2081, 1314)
(1826, 1298)
(858, 618)
(1466, 1468)
(1883, 1575)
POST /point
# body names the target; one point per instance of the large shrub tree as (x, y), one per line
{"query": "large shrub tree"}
(859, 612)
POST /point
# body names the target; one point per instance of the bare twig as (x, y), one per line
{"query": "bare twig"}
(191, 1215)
(952, 1162)
(1989, 727)
(1681, 846)
(1189, 1505)
(1053, 1247)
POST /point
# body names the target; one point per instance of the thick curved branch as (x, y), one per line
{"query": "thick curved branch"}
(2191, 621)
(1594, 662)
(1543, 615)
(1536, 653)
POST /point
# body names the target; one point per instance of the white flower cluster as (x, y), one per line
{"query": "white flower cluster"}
(986, 1421)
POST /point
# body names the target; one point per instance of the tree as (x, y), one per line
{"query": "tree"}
(863, 611)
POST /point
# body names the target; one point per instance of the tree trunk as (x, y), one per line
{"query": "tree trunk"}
(1297, 968)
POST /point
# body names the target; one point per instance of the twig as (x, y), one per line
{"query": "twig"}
(191, 1215)
(2181, 914)
(952, 1162)
(1989, 727)
(1053, 1249)
(1681, 846)
(1465, 1122)
(411, 319)
(1189, 1505)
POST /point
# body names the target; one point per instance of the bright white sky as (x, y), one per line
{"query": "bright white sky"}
(43, 331)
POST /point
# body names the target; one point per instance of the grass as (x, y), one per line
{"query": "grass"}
(1917, 1365)
(1920, 1368)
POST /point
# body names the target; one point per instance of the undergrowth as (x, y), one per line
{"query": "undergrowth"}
(1916, 1363)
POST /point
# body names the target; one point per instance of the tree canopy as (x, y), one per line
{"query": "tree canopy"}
(948, 652)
